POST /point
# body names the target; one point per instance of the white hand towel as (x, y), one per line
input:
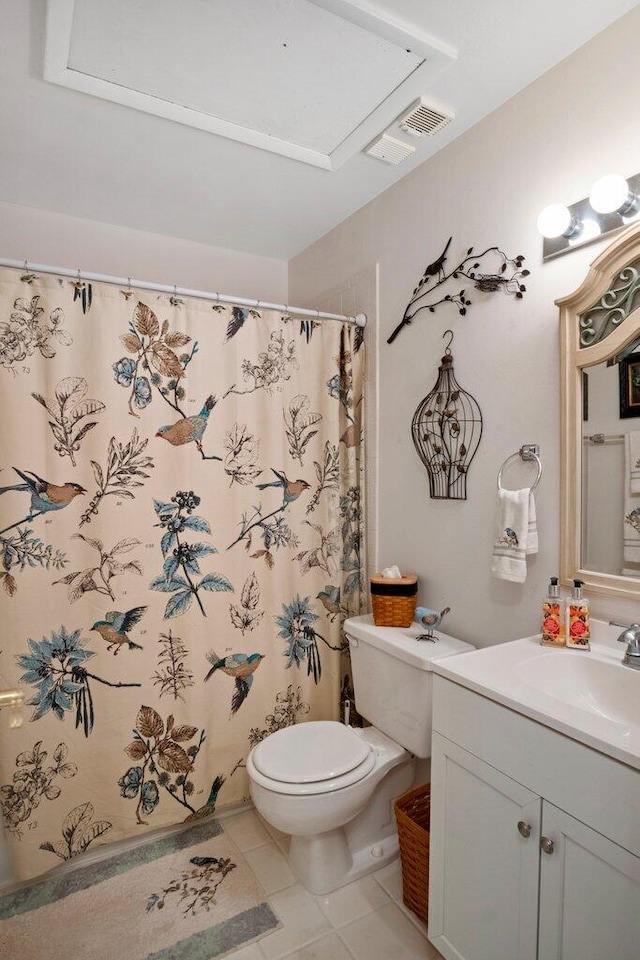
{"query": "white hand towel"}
(631, 566)
(532, 532)
(631, 519)
(512, 535)
(632, 460)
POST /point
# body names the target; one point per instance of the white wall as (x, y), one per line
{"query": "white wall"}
(62, 241)
(549, 143)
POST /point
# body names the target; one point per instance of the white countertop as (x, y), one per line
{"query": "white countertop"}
(586, 695)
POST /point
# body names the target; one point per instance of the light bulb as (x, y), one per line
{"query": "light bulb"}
(611, 194)
(589, 231)
(556, 220)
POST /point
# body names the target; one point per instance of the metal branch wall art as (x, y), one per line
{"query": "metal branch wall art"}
(507, 276)
(446, 430)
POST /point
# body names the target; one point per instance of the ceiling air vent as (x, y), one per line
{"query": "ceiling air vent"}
(423, 120)
(389, 149)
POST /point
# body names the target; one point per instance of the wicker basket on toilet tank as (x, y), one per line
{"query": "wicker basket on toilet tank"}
(394, 600)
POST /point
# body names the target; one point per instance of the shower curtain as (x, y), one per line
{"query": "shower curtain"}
(181, 538)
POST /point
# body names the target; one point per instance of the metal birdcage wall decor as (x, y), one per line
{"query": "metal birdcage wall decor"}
(446, 429)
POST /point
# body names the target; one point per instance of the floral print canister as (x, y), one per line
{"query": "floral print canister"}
(552, 633)
(578, 628)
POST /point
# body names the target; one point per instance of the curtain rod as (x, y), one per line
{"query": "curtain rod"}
(360, 320)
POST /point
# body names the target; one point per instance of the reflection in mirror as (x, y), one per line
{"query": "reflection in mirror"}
(600, 345)
(609, 525)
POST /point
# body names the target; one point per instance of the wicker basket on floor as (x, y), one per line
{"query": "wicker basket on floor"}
(412, 811)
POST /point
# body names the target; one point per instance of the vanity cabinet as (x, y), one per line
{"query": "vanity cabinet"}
(589, 890)
(513, 875)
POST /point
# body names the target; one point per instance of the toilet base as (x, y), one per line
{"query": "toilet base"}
(326, 861)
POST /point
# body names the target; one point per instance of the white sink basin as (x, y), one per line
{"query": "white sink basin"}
(589, 683)
(587, 695)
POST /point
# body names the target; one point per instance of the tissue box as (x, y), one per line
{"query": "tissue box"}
(394, 600)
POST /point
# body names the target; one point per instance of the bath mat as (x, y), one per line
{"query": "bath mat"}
(190, 896)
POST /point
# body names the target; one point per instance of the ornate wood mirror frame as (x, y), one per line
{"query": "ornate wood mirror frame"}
(596, 323)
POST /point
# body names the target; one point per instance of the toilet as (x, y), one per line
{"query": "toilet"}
(331, 787)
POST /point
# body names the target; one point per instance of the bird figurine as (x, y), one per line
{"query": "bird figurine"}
(430, 619)
(209, 807)
(45, 496)
(435, 269)
(188, 429)
(330, 600)
(116, 626)
(240, 667)
(291, 489)
(512, 536)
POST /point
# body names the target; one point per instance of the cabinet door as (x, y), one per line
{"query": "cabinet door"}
(483, 874)
(589, 893)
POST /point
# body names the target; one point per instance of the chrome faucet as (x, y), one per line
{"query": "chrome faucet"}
(631, 636)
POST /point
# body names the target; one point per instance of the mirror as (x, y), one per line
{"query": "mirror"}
(600, 389)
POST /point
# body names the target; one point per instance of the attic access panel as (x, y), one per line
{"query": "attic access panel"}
(313, 80)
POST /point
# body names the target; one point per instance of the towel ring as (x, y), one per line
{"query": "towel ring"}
(523, 454)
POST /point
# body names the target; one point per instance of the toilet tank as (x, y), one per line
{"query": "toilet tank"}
(392, 678)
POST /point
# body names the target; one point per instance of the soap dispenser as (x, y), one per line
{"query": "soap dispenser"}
(577, 619)
(552, 632)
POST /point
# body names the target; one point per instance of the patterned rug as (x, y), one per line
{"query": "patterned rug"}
(190, 896)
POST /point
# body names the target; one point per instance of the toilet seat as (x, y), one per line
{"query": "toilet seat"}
(311, 758)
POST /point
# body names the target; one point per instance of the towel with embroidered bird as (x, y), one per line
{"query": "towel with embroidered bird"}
(516, 534)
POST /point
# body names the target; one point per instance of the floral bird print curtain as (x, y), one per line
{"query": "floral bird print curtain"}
(181, 539)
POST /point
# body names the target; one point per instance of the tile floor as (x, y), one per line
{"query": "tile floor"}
(362, 921)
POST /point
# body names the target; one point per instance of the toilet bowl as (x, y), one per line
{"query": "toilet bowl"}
(331, 787)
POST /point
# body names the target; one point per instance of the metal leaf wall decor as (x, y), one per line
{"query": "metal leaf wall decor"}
(506, 275)
(446, 430)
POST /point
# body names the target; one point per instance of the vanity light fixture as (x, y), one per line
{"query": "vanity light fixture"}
(612, 204)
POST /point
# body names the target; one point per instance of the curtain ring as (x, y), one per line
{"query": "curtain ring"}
(257, 306)
(79, 276)
(26, 266)
(318, 314)
(128, 284)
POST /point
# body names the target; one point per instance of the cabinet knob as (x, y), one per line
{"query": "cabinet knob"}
(524, 829)
(546, 845)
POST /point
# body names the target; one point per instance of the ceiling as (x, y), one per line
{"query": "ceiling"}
(241, 123)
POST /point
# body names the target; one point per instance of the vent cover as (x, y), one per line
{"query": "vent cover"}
(423, 120)
(389, 149)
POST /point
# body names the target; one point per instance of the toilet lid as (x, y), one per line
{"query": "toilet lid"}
(310, 752)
